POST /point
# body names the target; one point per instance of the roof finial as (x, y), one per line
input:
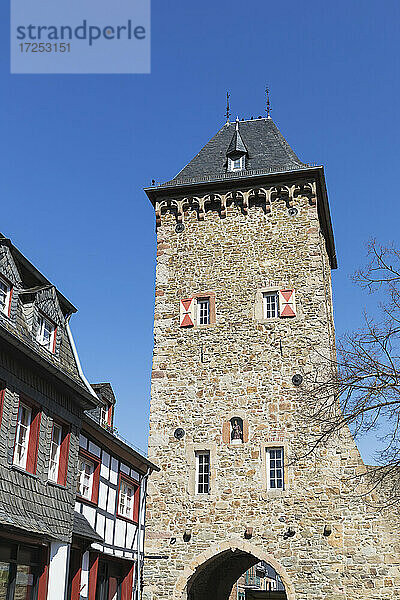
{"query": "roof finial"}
(268, 107)
(228, 110)
(237, 123)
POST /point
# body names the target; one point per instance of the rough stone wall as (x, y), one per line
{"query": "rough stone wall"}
(204, 375)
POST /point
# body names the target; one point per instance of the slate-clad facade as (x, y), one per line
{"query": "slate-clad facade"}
(41, 383)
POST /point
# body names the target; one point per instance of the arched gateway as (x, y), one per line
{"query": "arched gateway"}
(243, 309)
(213, 573)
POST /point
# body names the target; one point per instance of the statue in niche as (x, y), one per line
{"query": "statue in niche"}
(237, 430)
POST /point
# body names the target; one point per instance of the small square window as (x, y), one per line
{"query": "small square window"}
(270, 305)
(5, 297)
(275, 475)
(46, 333)
(236, 164)
(203, 311)
(203, 472)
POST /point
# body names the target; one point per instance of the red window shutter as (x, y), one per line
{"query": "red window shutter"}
(43, 573)
(287, 303)
(9, 302)
(2, 392)
(226, 432)
(109, 415)
(96, 479)
(54, 340)
(187, 312)
(33, 442)
(64, 451)
(127, 583)
(75, 570)
(93, 568)
(136, 505)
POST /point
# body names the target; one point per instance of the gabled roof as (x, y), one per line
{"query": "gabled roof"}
(32, 277)
(116, 445)
(105, 392)
(237, 145)
(32, 293)
(266, 147)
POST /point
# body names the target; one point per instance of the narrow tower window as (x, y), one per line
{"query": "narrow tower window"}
(270, 300)
(203, 472)
(275, 479)
(203, 311)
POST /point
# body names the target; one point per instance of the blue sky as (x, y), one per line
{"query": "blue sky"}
(77, 150)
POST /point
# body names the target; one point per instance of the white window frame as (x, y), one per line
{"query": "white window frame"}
(267, 296)
(203, 316)
(55, 452)
(233, 166)
(5, 295)
(270, 468)
(83, 461)
(22, 436)
(45, 324)
(126, 502)
(201, 486)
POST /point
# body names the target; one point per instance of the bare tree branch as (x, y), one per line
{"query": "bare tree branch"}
(360, 389)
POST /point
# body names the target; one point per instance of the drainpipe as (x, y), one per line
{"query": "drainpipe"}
(139, 561)
(76, 357)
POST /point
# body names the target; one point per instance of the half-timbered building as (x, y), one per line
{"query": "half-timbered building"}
(111, 491)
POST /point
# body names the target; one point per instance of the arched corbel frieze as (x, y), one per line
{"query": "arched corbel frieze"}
(306, 190)
(264, 196)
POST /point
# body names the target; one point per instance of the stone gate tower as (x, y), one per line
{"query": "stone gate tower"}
(244, 258)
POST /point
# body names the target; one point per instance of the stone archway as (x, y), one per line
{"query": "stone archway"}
(213, 573)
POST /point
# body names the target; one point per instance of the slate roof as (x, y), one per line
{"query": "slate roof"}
(83, 529)
(104, 392)
(237, 145)
(266, 147)
(32, 294)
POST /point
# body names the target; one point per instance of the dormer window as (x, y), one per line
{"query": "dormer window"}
(106, 416)
(5, 297)
(46, 333)
(237, 163)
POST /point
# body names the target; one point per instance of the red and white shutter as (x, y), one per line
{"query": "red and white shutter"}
(287, 303)
(187, 312)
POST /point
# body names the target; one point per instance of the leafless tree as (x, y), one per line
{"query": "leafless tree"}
(359, 388)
